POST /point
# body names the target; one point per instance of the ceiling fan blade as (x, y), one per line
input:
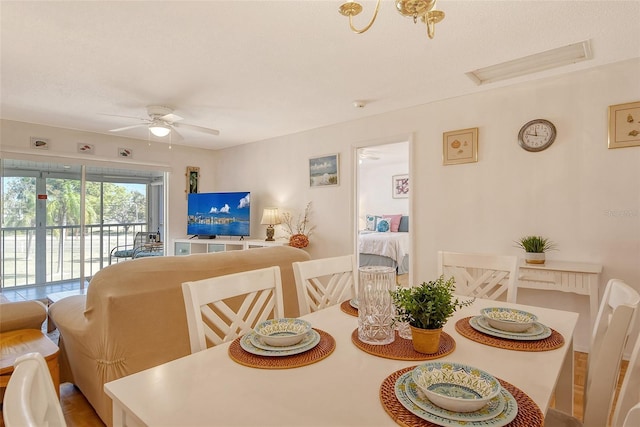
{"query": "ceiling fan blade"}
(128, 127)
(171, 118)
(197, 128)
(126, 117)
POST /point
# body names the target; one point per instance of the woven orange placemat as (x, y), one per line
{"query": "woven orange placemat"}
(348, 308)
(324, 348)
(402, 349)
(554, 341)
(529, 414)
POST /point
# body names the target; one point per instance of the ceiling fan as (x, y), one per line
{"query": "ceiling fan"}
(162, 122)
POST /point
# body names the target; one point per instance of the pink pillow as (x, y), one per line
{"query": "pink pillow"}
(394, 220)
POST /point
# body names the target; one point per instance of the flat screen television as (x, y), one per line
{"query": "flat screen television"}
(219, 214)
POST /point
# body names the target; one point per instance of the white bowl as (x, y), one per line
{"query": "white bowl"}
(282, 332)
(455, 387)
(509, 319)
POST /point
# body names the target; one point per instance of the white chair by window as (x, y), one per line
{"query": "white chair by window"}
(30, 398)
(481, 275)
(219, 309)
(321, 283)
(613, 324)
(137, 248)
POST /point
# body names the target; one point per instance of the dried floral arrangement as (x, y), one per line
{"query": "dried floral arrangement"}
(299, 231)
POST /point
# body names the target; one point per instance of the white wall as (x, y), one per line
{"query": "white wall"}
(578, 193)
(15, 144)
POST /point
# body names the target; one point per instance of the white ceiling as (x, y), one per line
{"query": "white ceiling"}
(261, 69)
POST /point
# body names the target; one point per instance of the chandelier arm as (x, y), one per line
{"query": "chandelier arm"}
(373, 18)
(431, 28)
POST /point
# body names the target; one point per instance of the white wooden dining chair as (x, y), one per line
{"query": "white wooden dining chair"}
(627, 410)
(321, 283)
(30, 399)
(633, 417)
(481, 275)
(219, 309)
(613, 324)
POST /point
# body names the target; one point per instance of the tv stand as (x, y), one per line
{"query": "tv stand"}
(202, 246)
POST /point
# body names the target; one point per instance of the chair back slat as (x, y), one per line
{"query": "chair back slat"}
(321, 283)
(609, 338)
(30, 397)
(627, 410)
(633, 417)
(481, 275)
(220, 309)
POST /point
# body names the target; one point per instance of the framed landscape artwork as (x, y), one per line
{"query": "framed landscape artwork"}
(460, 146)
(400, 186)
(624, 125)
(324, 170)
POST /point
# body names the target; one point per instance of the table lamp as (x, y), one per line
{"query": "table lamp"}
(270, 217)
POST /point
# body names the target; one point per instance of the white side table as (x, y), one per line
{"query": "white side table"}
(576, 277)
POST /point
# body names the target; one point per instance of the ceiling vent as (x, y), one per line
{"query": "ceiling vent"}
(533, 63)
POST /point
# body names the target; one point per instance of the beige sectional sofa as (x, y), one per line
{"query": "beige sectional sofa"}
(133, 315)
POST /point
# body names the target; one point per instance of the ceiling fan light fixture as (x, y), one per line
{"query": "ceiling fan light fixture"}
(159, 129)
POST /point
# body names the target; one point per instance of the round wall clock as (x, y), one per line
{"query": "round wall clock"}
(537, 135)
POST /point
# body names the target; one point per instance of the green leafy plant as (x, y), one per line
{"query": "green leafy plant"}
(535, 244)
(429, 305)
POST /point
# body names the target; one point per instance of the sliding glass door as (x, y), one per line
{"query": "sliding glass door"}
(60, 222)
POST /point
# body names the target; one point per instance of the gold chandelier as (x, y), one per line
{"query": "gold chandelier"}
(422, 9)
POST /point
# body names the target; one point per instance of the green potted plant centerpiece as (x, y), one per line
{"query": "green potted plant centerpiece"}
(535, 248)
(427, 308)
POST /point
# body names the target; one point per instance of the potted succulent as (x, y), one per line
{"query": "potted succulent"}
(535, 248)
(427, 308)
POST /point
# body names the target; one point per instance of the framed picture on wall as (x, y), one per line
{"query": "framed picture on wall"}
(324, 170)
(624, 125)
(125, 152)
(193, 178)
(460, 146)
(400, 186)
(39, 143)
(86, 148)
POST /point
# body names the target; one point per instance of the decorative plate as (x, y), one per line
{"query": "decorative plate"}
(537, 332)
(509, 319)
(455, 386)
(507, 415)
(353, 303)
(282, 332)
(491, 410)
(312, 339)
(306, 340)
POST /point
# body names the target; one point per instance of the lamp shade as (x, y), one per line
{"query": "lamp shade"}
(159, 130)
(270, 216)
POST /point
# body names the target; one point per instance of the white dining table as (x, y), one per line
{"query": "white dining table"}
(208, 388)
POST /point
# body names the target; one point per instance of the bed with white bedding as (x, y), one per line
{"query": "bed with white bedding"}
(388, 249)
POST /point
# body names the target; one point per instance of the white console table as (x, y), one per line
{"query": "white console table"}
(202, 246)
(576, 277)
